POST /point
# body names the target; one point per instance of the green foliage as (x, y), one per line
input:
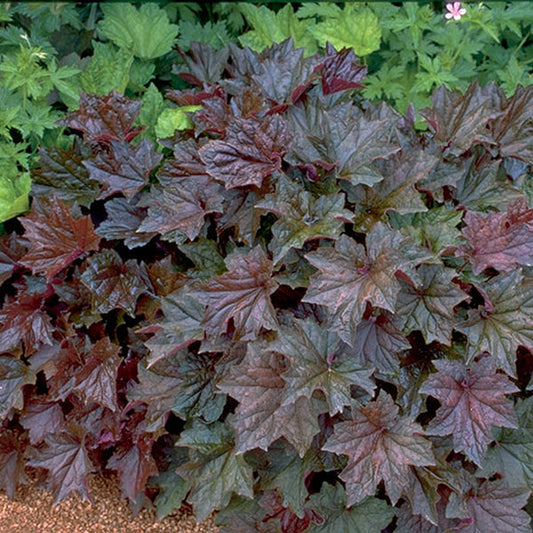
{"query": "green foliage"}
(146, 31)
(269, 27)
(353, 27)
(109, 70)
(174, 119)
(14, 193)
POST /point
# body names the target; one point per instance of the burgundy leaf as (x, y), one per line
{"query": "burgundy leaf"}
(182, 206)
(123, 223)
(380, 446)
(513, 131)
(302, 217)
(113, 283)
(284, 74)
(395, 192)
(215, 114)
(491, 506)
(503, 322)
(135, 465)
(428, 306)
(341, 71)
(289, 521)
(56, 238)
(320, 361)
(180, 327)
(105, 118)
(96, 381)
(242, 295)
(61, 173)
(12, 462)
(499, 240)
(11, 251)
(348, 277)
(261, 416)
(205, 64)
(251, 151)
(42, 418)
(124, 168)
(378, 341)
(65, 457)
(14, 374)
(460, 120)
(25, 320)
(473, 401)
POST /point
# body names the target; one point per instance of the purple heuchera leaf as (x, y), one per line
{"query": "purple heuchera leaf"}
(113, 283)
(241, 295)
(56, 237)
(252, 151)
(499, 240)
(320, 361)
(473, 401)
(504, 322)
(460, 120)
(105, 118)
(380, 446)
(261, 417)
(65, 457)
(349, 276)
(491, 506)
(124, 168)
(340, 71)
(61, 173)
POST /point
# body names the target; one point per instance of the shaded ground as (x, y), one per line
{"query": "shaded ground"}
(33, 512)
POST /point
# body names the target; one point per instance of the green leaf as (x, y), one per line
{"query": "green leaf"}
(215, 470)
(213, 33)
(286, 471)
(435, 229)
(270, 27)
(511, 455)
(369, 516)
(109, 70)
(14, 374)
(175, 119)
(386, 82)
(146, 32)
(172, 491)
(14, 198)
(206, 257)
(152, 106)
(353, 28)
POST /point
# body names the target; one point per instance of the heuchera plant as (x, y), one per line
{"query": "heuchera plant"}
(300, 312)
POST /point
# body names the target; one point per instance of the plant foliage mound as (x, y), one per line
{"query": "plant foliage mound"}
(297, 310)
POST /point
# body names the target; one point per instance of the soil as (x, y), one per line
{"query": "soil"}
(33, 511)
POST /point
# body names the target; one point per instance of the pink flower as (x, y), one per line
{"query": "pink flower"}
(455, 11)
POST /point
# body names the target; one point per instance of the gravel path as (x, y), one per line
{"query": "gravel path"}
(33, 511)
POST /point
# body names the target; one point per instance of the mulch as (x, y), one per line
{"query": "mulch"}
(33, 511)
